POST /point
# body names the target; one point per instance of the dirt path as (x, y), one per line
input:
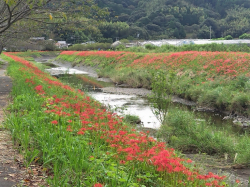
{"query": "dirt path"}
(12, 170)
(8, 169)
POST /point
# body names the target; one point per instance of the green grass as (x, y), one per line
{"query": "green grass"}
(1, 63)
(186, 133)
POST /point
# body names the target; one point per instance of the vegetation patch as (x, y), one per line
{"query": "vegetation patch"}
(1, 63)
(184, 132)
(205, 77)
(80, 144)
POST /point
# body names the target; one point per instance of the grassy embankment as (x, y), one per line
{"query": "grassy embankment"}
(80, 144)
(214, 79)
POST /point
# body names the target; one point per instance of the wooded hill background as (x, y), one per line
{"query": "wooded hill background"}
(161, 19)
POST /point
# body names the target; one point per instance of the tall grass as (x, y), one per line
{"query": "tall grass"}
(183, 131)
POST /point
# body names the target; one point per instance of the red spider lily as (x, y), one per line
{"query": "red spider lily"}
(80, 133)
(69, 128)
(54, 122)
(122, 162)
(98, 185)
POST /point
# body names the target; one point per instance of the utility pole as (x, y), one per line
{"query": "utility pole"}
(210, 32)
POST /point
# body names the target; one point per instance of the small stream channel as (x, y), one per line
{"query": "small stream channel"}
(133, 104)
(131, 101)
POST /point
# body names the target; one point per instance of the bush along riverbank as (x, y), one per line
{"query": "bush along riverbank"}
(81, 144)
(213, 79)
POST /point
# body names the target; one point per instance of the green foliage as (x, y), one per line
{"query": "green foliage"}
(244, 36)
(124, 41)
(90, 46)
(161, 94)
(183, 131)
(113, 30)
(176, 19)
(228, 37)
(132, 119)
(1, 63)
(150, 47)
(49, 46)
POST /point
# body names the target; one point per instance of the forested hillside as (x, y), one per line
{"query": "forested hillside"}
(163, 19)
(182, 18)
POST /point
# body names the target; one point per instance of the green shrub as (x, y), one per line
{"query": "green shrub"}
(240, 102)
(124, 40)
(244, 36)
(228, 37)
(150, 47)
(132, 119)
(210, 97)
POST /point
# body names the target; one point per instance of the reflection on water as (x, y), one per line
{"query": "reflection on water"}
(129, 104)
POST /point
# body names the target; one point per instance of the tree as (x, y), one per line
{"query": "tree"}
(43, 12)
(12, 11)
(214, 25)
(113, 30)
(204, 33)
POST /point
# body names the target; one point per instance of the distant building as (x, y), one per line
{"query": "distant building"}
(61, 44)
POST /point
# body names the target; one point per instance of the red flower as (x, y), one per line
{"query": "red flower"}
(39, 88)
(98, 185)
(80, 132)
(54, 122)
(122, 162)
(69, 128)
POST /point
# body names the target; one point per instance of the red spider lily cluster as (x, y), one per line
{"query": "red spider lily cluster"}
(213, 63)
(129, 145)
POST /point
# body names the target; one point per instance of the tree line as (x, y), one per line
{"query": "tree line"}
(105, 21)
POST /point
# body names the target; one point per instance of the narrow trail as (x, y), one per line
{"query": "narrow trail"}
(8, 168)
(13, 172)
